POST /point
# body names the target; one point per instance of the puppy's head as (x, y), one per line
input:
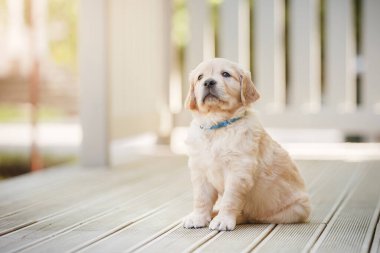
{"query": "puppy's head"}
(219, 85)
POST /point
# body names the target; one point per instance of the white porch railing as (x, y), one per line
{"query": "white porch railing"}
(300, 101)
(128, 51)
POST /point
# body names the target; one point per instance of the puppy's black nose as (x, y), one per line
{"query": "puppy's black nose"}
(209, 83)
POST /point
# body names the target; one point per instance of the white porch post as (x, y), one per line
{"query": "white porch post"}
(201, 44)
(234, 35)
(305, 77)
(340, 57)
(371, 53)
(93, 82)
(270, 54)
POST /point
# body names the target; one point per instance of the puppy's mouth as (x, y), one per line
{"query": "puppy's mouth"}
(209, 95)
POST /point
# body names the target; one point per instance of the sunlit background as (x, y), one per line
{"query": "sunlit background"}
(38, 40)
(150, 47)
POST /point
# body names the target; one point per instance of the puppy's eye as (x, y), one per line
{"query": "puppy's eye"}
(200, 77)
(225, 74)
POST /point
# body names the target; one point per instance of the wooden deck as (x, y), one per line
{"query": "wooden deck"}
(138, 207)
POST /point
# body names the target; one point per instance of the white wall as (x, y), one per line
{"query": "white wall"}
(139, 42)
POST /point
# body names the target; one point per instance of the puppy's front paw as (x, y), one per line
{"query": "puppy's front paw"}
(223, 222)
(195, 220)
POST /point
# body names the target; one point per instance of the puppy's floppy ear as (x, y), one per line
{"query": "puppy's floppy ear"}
(191, 102)
(248, 91)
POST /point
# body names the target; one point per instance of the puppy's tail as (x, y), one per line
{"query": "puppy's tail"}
(298, 212)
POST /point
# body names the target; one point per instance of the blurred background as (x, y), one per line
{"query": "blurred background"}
(38, 84)
(104, 81)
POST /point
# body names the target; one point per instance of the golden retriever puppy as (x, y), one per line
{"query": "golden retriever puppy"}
(232, 156)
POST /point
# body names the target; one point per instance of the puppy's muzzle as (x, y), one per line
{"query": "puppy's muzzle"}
(209, 83)
(209, 90)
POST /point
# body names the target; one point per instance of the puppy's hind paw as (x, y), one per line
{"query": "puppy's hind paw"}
(223, 223)
(194, 220)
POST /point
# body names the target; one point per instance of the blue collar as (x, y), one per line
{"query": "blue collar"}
(221, 124)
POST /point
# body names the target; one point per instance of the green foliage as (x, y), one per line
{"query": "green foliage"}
(3, 4)
(64, 14)
(3, 16)
(215, 2)
(180, 21)
(12, 113)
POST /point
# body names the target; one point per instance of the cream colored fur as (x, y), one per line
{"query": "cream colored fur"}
(253, 176)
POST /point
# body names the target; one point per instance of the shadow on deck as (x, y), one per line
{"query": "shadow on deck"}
(138, 207)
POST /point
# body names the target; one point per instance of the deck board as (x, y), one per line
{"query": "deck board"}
(101, 210)
(145, 230)
(375, 247)
(72, 194)
(350, 230)
(138, 208)
(332, 187)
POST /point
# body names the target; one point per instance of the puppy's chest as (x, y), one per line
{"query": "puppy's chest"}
(214, 151)
(215, 154)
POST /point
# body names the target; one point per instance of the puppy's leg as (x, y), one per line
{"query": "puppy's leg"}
(205, 196)
(236, 189)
